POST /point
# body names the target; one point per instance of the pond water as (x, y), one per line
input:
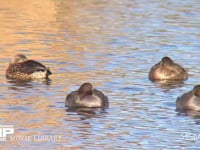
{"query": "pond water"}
(113, 45)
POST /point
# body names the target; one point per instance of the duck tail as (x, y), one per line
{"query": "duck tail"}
(48, 72)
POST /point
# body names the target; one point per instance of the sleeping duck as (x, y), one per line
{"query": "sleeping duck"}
(86, 96)
(24, 69)
(189, 100)
(167, 69)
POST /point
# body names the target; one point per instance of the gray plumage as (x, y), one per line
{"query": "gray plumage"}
(86, 96)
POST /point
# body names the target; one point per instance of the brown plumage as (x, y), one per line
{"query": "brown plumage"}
(189, 100)
(86, 96)
(24, 69)
(167, 69)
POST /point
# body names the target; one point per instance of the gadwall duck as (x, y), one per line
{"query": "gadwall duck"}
(25, 69)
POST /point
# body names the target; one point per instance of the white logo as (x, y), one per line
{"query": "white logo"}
(5, 130)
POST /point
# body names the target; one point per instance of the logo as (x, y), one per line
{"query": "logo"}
(5, 130)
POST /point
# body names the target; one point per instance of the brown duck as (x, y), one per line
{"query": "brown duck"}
(189, 100)
(25, 69)
(167, 69)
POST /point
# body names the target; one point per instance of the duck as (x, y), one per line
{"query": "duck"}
(86, 97)
(189, 100)
(23, 68)
(167, 69)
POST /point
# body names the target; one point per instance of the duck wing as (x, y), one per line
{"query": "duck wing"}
(179, 71)
(29, 67)
(101, 96)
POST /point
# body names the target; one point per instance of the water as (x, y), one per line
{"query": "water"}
(113, 45)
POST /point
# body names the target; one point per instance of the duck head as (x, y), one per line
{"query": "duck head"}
(85, 90)
(196, 90)
(166, 61)
(19, 58)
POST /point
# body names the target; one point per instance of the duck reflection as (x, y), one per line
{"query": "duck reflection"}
(87, 112)
(167, 85)
(20, 84)
(191, 113)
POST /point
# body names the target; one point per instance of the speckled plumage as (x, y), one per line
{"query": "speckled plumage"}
(22, 68)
